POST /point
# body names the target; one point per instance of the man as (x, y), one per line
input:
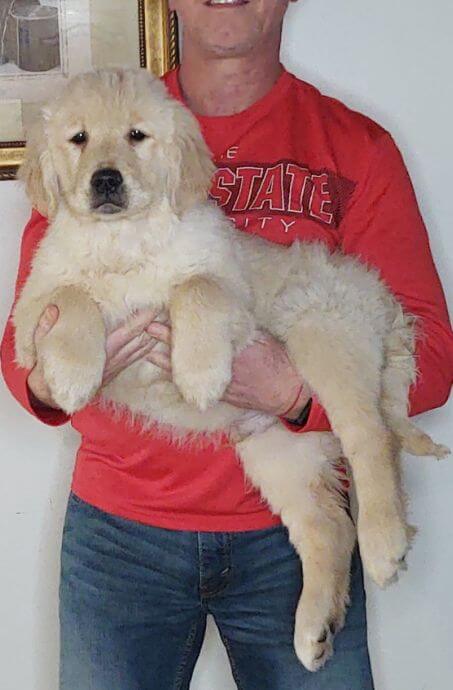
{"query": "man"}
(156, 537)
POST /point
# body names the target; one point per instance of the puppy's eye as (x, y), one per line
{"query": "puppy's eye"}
(79, 138)
(136, 135)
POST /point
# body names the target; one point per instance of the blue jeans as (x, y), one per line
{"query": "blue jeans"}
(134, 601)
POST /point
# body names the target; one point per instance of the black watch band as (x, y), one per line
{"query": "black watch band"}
(302, 419)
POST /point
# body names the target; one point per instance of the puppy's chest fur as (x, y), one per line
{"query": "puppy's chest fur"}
(127, 266)
(119, 293)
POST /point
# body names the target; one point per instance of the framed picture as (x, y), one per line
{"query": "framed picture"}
(45, 42)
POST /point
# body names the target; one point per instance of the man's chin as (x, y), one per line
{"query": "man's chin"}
(230, 51)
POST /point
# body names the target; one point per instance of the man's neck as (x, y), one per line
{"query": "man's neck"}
(224, 86)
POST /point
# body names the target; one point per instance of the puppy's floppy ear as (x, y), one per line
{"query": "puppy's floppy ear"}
(188, 163)
(38, 173)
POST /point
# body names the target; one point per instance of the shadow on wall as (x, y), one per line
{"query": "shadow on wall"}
(46, 644)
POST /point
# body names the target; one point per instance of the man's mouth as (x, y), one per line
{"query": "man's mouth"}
(226, 3)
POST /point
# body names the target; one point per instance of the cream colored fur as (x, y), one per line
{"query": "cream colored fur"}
(170, 248)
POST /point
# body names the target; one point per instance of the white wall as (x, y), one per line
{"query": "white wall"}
(392, 60)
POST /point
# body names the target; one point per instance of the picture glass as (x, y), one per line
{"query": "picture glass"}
(45, 42)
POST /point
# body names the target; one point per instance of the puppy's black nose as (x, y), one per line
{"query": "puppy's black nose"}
(106, 181)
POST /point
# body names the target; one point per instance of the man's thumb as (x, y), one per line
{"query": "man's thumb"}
(47, 321)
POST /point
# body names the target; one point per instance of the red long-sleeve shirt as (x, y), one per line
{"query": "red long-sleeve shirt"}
(295, 165)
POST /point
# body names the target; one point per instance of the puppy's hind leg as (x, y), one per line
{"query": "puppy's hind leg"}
(344, 369)
(295, 475)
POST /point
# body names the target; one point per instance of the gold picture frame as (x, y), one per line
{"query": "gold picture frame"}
(156, 48)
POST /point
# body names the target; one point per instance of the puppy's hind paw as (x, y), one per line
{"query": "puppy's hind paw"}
(441, 451)
(313, 638)
(384, 544)
(313, 652)
(417, 442)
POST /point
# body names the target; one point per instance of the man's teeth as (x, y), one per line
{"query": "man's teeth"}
(225, 2)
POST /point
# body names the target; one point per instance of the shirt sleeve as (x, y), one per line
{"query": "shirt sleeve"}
(15, 376)
(384, 229)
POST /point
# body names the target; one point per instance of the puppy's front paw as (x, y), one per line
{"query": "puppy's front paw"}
(202, 369)
(202, 387)
(73, 377)
(384, 539)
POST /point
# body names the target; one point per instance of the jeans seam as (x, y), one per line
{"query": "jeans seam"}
(188, 646)
(200, 561)
(234, 668)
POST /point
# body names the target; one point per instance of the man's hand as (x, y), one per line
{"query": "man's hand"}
(264, 379)
(36, 381)
(125, 345)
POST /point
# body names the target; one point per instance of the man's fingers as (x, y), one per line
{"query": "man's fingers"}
(160, 331)
(122, 357)
(263, 337)
(160, 359)
(47, 321)
(139, 321)
(142, 352)
(117, 365)
(133, 327)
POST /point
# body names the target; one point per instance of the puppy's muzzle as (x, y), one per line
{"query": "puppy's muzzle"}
(108, 194)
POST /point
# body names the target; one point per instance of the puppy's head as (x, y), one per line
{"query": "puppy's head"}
(113, 144)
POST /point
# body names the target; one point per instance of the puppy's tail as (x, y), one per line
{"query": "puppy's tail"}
(414, 441)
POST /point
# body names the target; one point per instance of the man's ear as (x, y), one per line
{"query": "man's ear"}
(188, 162)
(38, 173)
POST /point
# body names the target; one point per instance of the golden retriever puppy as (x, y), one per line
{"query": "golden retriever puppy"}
(123, 173)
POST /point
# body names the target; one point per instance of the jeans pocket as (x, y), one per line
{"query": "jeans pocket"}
(77, 509)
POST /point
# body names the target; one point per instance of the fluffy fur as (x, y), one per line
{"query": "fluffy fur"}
(166, 246)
